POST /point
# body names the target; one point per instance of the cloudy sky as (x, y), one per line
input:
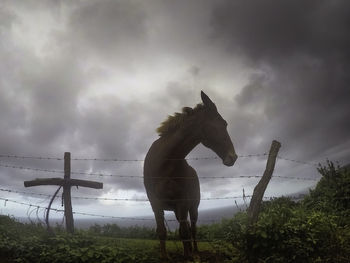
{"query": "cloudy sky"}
(96, 78)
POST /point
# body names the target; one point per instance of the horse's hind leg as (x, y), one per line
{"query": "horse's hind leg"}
(161, 231)
(194, 217)
(185, 234)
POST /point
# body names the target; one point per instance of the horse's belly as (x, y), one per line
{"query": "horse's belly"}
(168, 206)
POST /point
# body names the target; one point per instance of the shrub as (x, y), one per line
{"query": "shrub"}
(314, 230)
(332, 193)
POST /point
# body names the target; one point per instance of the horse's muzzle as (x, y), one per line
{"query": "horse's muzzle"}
(230, 159)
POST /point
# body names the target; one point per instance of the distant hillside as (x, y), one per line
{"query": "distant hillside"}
(205, 217)
(214, 215)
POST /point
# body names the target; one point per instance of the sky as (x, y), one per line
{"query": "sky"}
(96, 78)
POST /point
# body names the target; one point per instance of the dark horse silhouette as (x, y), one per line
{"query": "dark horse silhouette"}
(171, 183)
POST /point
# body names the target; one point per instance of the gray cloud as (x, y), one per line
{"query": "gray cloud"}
(114, 29)
(97, 78)
(301, 54)
(271, 29)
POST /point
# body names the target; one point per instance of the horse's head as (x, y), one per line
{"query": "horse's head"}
(214, 133)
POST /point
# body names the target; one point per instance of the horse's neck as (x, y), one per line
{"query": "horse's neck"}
(181, 143)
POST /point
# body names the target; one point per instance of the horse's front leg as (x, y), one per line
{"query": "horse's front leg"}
(185, 233)
(161, 232)
(194, 218)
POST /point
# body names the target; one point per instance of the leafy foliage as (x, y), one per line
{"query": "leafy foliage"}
(31, 243)
(332, 193)
(314, 230)
(113, 230)
(37, 246)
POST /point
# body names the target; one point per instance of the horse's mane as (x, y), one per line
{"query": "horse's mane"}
(172, 123)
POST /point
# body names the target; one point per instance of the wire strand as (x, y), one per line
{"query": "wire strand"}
(297, 161)
(154, 177)
(29, 157)
(120, 160)
(123, 218)
(9, 156)
(120, 199)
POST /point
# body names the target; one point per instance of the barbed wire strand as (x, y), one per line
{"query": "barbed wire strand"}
(30, 168)
(169, 159)
(140, 176)
(118, 217)
(117, 199)
(297, 161)
(136, 199)
(96, 215)
(8, 156)
(117, 159)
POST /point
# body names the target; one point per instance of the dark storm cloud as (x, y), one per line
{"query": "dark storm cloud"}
(108, 29)
(280, 29)
(300, 51)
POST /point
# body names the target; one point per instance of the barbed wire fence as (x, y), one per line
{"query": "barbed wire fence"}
(35, 207)
(135, 176)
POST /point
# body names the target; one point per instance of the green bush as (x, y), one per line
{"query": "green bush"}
(31, 243)
(299, 236)
(314, 230)
(332, 193)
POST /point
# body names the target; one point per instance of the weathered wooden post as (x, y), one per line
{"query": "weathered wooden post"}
(258, 194)
(68, 211)
(66, 183)
(259, 190)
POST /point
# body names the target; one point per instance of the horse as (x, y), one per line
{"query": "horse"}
(171, 183)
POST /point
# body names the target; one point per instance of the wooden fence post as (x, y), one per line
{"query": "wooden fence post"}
(259, 190)
(68, 211)
(66, 183)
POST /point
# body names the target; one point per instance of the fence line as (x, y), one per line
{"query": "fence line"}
(30, 169)
(94, 215)
(146, 200)
(297, 161)
(8, 156)
(129, 176)
(127, 218)
(169, 159)
(29, 157)
(191, 178)
(141, 160)
(140, 176)
(118, 160)
(119, 199)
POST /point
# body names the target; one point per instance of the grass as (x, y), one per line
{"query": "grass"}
(214, 251)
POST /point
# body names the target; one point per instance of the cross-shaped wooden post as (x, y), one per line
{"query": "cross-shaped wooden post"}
(66, 183)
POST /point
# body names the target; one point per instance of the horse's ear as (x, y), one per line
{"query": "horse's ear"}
(207, 101)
